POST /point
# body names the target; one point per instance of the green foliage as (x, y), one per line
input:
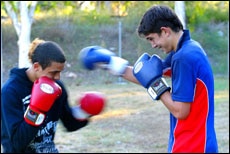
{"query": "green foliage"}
(221, 84)
(214, 39)
(55, 5)
(9, 37)
(199, 12)
(74, 29)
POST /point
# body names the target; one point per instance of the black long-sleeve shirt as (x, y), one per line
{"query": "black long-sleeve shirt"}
(18, 136)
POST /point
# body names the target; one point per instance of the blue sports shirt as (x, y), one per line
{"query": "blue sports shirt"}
(192, 82)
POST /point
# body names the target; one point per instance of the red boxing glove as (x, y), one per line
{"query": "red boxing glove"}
(90, 104)
(44, 93)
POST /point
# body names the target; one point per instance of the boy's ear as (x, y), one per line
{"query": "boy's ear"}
(36, 66)
(166, 30)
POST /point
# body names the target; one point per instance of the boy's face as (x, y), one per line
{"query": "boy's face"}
(161, 41)
(53, 71)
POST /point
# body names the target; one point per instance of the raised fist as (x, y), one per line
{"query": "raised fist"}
(93, 57)
(44, 93)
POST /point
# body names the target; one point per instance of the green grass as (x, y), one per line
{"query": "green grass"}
(132, 122)
(222, 113)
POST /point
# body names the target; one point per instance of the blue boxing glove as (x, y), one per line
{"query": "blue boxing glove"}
(93, 57)
(148, 70)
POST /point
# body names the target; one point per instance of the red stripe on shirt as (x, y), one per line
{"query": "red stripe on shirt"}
(190, 134)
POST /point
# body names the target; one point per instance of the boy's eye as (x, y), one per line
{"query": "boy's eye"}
(149, 38)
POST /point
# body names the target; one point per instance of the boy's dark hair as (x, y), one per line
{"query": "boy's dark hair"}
(45, 52)
(157, 17)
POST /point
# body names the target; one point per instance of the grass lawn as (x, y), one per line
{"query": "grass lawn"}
(132, 122)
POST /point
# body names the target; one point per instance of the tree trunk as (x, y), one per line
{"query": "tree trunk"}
(23, 28)
(24, 36)
(180, 11)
